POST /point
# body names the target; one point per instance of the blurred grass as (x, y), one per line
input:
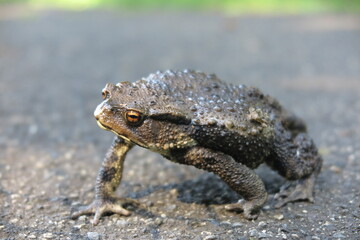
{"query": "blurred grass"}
(227, 6)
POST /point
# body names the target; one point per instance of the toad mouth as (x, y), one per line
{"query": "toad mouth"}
(102, 126)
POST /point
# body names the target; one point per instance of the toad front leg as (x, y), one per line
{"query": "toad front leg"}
(108, 180)
(239, 177)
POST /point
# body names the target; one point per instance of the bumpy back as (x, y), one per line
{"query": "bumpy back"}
(201, 98)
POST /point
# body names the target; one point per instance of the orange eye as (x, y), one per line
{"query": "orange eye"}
(133, 116)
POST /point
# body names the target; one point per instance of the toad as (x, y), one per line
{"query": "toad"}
(196, 119)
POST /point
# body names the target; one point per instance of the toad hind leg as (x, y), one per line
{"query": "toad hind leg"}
(108, 180)
(239, 177)
(297, 159)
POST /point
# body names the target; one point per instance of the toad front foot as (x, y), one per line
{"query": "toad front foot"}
(248, 208)
(101, 206)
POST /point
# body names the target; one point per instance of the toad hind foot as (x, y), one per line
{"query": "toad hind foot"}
(249, 209)
(99, 207)
(303, 192)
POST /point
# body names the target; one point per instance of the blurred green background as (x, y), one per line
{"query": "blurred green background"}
(227, 6)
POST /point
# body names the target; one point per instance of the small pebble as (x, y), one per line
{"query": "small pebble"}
(283, 236)
(14, 196)
(242, 238)
(171, 207)
(279, 216)
(28, 207)
(82, 219)
(253, 233)
(264, 234)
(93, 235)
(14, 220)
(335, 169)
(122, 223)
(338, 235)
(149, 204)
(22, 235)
(211, 237)
(225, 224)
(79, 226)
(266, 207)
(295, 236)
(48, 235)
(262, 224)
(237, 224)
(158, 221)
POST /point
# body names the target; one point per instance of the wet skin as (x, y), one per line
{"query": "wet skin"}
(195, 119)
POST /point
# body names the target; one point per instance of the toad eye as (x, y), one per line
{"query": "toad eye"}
(105, 94)
(133, 117)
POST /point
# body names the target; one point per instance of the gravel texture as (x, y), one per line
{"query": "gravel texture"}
(53, 65)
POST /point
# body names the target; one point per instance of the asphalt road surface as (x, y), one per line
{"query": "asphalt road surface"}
(53, 65)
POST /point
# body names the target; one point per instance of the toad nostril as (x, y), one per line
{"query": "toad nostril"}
(105, 94)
